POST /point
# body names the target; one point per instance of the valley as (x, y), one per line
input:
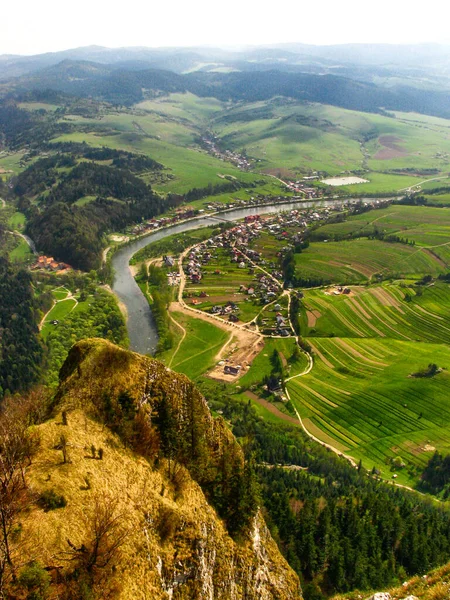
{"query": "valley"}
(281, 246)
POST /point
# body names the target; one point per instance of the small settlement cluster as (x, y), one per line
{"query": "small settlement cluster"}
(267, 279)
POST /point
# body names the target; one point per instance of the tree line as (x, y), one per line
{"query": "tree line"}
(338, 527)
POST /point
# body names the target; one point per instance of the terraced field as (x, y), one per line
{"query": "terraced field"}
(360, 398)
(426, 226)
(380, 312)
(358, 260)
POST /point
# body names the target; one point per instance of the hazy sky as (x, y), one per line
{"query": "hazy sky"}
(32, 26)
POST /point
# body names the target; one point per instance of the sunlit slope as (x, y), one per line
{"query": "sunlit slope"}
(360, 397)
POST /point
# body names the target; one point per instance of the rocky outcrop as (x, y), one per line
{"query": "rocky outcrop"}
(176, 545)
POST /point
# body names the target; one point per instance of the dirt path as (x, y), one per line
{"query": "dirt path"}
(69, 296)
(105, 254)
(182, 337)
(271, 408)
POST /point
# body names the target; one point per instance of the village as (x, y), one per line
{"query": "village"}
(229, 277)
(239, 160)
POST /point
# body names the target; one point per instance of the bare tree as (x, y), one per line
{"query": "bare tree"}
(106, 534)
(17, 447)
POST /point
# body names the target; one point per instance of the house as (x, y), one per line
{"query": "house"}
(168, 261)
(233, 318)
(280, 320)
(229, 370)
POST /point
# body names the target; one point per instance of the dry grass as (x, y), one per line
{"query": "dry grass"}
(172, 532)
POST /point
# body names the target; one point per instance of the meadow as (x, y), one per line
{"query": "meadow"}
(361, 398)
(195, 355)
(262, 365)
(188, 167)
(359, 260)
(380, 311)
(61, 309)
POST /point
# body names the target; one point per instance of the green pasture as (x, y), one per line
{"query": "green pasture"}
(59, 311)
(21, 252)
(184, 106)
(262, 366)
(11, 162)
(261, 411)
(197, 352)
(190, 167)
(357, 261)
(85, 200)
(17, 221)
(60, 293)
(361, 396)
(319, 137)
(289, 144)
(385, 183)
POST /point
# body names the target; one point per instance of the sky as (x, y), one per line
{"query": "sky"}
(33, 27)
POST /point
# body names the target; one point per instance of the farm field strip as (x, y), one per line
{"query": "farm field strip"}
(373, 412)
(383, 314)
(360, 259)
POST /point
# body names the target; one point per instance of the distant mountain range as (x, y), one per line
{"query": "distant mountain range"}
(428, 60)
(356, 76)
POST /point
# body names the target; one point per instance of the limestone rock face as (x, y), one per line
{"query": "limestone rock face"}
(177, 546)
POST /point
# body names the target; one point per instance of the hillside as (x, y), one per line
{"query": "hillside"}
(119, 497)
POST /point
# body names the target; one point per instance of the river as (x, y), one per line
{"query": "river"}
(140, 324)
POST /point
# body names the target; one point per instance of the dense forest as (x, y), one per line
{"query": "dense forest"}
(339, 527)
(21, 351)
(101, 318)
(48, 191)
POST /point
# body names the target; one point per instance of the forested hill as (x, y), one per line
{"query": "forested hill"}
(71, 204)
(21, 350)
(129, 86)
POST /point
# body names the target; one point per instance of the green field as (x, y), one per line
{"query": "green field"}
(21, 253)
(357, 261)
(11, 163)
(58, 313)
(286, 134)
(360, 398)
(17, 221)
(261, 365)
(426, 226)
(380, 312)
(190, 167)
(196, 353)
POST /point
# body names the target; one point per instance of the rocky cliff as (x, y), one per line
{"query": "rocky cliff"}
(138, 492)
